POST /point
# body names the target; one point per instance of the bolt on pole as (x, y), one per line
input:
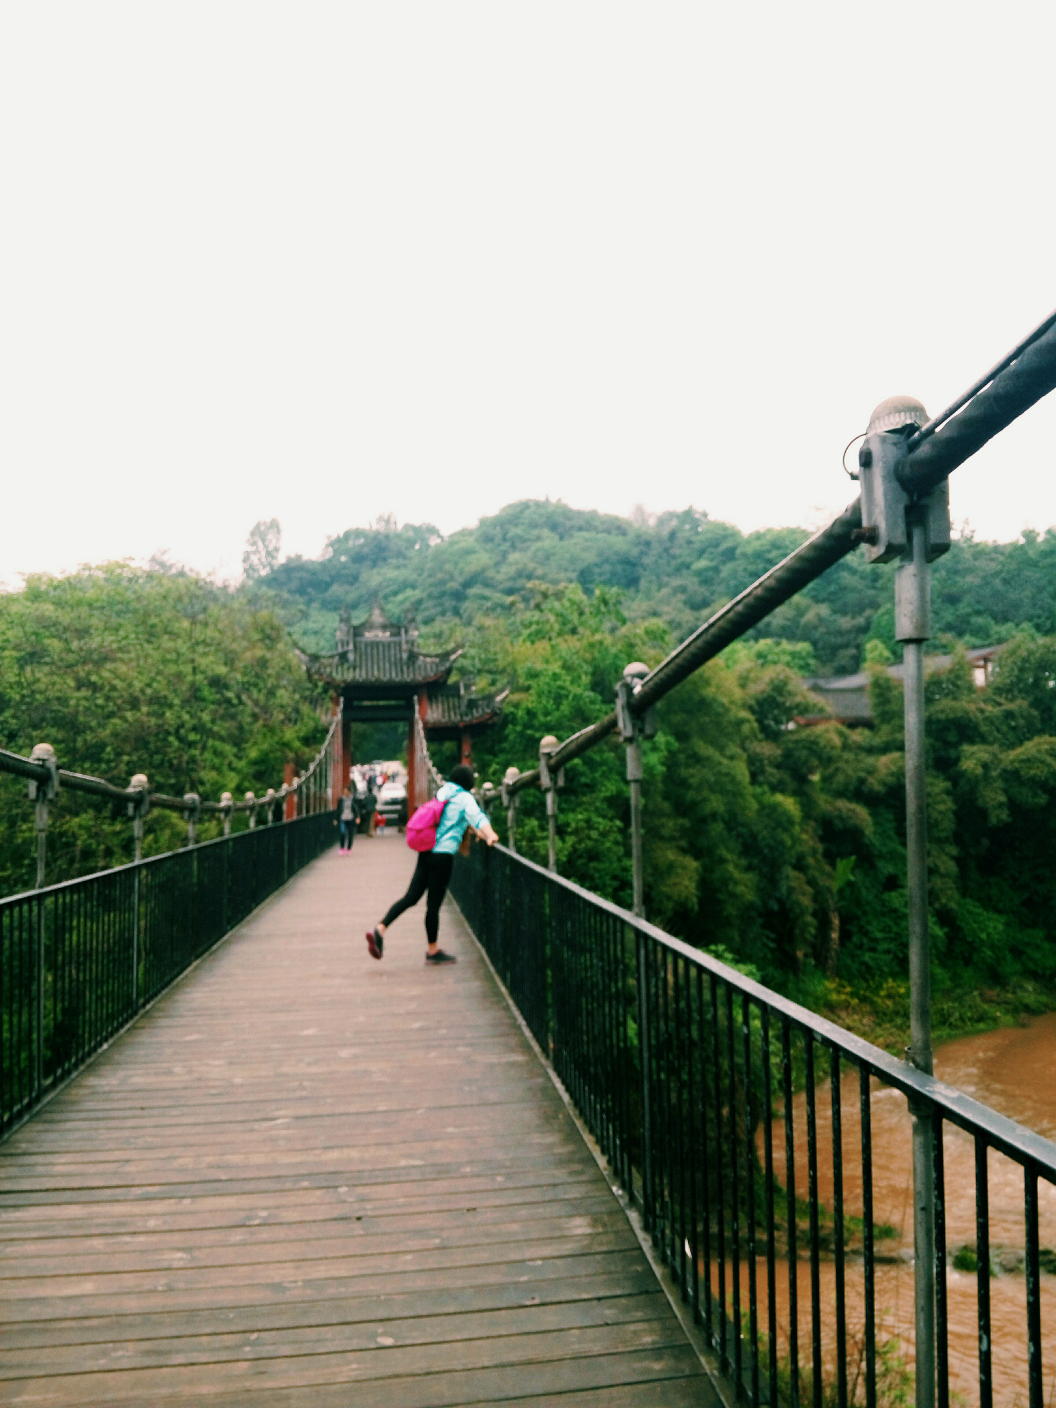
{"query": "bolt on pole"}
(916, 532)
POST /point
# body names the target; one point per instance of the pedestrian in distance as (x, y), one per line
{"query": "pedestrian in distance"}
(432, 874)
(346, 816)
(370, 806)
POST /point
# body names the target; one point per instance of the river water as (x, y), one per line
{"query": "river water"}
(1013, 1071)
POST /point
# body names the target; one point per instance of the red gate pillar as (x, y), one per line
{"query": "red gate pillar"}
(289, 810)
(343, 773)
(412, 769)
(465, 749)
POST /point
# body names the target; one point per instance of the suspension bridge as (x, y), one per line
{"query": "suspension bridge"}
(244, 1165)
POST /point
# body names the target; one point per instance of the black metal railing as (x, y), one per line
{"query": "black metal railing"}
(761, 1146)
(78, 960)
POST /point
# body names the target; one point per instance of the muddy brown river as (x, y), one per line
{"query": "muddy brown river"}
(1014, 1072)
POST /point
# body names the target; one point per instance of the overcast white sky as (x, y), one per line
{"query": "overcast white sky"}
(322, 261)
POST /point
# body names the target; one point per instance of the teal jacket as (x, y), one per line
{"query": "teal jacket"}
(460, 811)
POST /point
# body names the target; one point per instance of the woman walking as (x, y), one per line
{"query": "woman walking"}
(346, 815)
(433, 871)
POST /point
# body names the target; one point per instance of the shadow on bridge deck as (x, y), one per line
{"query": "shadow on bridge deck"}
(302, 1170)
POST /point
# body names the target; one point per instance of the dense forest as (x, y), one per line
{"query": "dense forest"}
(780, 848)
(674, 567)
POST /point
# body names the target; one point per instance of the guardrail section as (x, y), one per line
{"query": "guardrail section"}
(745, 1129)
(78, 960)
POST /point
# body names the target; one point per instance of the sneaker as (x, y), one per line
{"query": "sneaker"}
(435, 959)
(375, 943)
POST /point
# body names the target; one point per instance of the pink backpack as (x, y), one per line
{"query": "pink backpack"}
(421, 827)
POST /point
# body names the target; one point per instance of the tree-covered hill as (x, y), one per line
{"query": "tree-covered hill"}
(677, 566)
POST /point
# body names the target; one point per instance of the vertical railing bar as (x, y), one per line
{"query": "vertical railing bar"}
(838, 1230)
(735, 1193)
(749, 1196)
(982, 1252)
(868, 1249)
(771, 1266)
(666, 1081)
(691, 1108)
(1035, 1377)
(720, 1184)
(815, 1231)
(645, 1096)
(942, 1339)
(705, 1188)
(790, 1201)
(679, 1065)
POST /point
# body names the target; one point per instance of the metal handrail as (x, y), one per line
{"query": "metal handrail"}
(679, 1066)
(991, 403)
(82, 957)
(1016, 1140)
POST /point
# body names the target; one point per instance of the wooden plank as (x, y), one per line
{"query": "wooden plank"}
(349, 1177)
(345, 1335)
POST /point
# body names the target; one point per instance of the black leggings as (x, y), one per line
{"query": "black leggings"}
(432, 873)
(348, 833)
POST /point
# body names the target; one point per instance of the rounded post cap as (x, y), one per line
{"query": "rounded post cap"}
(635, 671)
(548, 744)
(269, 794)
(896, 412)
(139, 782)
(511, 775)
(488, 788)
(226, 799)
(250, 797)
(42, 753)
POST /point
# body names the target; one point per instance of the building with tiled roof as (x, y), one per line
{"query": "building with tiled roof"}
(380, 676)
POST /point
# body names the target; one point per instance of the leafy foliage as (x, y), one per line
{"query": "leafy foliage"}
(676, 567)
(128, 670)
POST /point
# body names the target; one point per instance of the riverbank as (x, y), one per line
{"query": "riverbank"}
(881, 1014)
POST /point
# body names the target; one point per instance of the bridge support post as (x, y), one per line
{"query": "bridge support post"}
(547, 782)
(632, 730)
(138, 810)
(912, 628)
(509, 801)
(896, 525)
(43, 793)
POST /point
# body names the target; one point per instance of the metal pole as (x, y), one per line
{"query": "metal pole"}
(912, 612)
(631, 731)
(645, 1074)
(135, 939)
(634, 778)
(42, 835)
(509, 800)
(546, 782)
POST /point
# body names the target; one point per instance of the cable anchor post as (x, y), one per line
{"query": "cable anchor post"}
(913, 530)
(549, 783)
(509, 801)
(632, 730)
(138, 809)
(42, 793)
(192, 804)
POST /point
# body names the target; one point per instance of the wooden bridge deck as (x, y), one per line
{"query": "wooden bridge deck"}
(306, 1178)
